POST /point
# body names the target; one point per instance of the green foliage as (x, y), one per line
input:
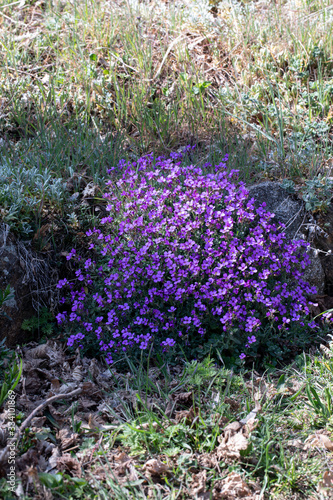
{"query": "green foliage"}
(65, 486)
(10, 378)
(321, 405)
(117, 77)
(277, 348)
(172, 440)
(44, 323)
(5, 296)
(197, 372)
(24, 190)
(317, 193)
(10, 368)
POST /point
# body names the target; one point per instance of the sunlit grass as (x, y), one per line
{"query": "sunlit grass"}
(164, 75)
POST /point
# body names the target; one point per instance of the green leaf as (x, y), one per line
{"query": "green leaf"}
(11, 380)
(281, 383)
(79, 481)
(50, 480)
(246, 453)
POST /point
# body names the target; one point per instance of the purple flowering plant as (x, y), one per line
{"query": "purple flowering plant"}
(184, 257)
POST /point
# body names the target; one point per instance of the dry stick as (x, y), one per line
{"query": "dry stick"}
(4, 453)
(45, 403)
(13, 3)
(13, 20)
(123, 62)
(167, 53)
(313, 14)
(33, 69)
(24, 73)
(199, 40)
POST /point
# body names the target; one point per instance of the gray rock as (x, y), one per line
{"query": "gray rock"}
(287, 209)
(290, 211)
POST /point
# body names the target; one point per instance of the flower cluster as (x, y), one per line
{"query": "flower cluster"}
(183, 253)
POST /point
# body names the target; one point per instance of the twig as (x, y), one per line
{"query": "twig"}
(199, 40)
(13, 3)
(123, 62)
(12, 20)
(178, 39)
(14, 441)
(23, 72)
(313, 14)
(45, 403)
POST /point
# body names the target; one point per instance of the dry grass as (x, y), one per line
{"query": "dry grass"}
(165, 74)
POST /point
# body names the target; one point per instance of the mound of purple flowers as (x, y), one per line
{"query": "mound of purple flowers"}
(181, 253)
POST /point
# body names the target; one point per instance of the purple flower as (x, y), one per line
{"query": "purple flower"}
(60, 317)
(62, 283)
(71, 254)
(188, 253)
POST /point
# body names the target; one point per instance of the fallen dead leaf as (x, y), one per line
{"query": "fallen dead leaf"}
(45, 374)
(55, 385)
(94, 422)
(184, 397)
(38, 422)
(187, 415)
(77, 373)
(122, 457)
(87, 403)
(250, 426)
(233, 447)
(320, 441)
(69, 387)
(90, 389)
(123, 462)
(41, 351)
(198, 484)
(32, 384)
(155, 467)
(66, 366)
(52, 463)
(59, 417)
(234, 405)
(234, 487)
(67, 463)
(67, 438)
(51, 351)
(29, 458)
(230, 430)
(94, 369)
(326, 484)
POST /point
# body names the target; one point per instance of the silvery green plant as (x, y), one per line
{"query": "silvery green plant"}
(22, 190)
